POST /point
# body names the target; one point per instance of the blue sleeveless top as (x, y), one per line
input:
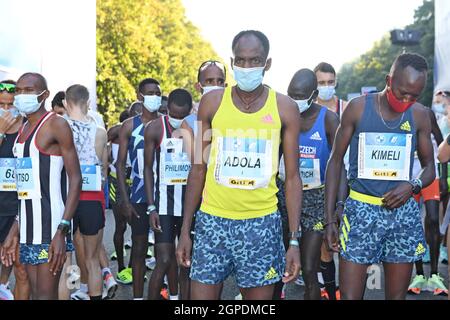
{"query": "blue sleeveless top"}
(381, 155)
(314, 153)
(136, 152)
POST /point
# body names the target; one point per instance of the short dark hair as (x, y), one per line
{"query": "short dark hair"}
(58, 99)
(147, 81)
(325, 68)
(258, 34)
(77, 94)
(413, 60)
(8, 82)
(180, 97)
(124, 115)
(41, 80)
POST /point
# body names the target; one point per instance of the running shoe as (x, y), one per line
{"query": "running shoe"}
(436, 285)
(128, 244)
(300, 281)
(238, 297)
(151, 238)
(125, 276)
(426, 258)
(110, 285)
(324, 294)
(5, 292)
(164, 293)
(443, 254)
(150, 263)
(418, 284)
(79, 295)
(150, 252)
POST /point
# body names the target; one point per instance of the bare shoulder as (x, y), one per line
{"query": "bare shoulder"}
(57, 123)
(153, 128)
(209, 103)
(421, 114)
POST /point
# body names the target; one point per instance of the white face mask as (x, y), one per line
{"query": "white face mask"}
(152, 103)
(248, 79)
(326, 93)
(27, 103)
(175, 123)
(210, 88)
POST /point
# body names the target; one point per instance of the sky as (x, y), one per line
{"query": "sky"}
(301, 33)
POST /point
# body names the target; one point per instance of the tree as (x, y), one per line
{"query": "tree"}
(371, 68)
(140, 39)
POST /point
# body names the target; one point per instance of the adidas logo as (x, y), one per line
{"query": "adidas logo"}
(420, 249)
(316, 136)
(43, 254)
(270, 274)
(170, 144)
(405, 126)
(318, 226)
(267, 119)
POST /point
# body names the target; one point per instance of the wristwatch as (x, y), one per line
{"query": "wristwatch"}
(151, 208)
(417, 185)
(65, 229)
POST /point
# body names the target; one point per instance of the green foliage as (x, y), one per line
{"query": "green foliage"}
(140, 39)
(370, 69)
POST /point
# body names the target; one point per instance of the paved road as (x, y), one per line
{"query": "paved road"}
(230, 290)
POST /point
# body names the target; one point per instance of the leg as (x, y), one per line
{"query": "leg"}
(260, 293)
(172, 274)
(164, 253)
(200, 291)
(328, 269)
(63, 288)
(80, 256)
(46, 283)
(138, 253)
(185, 283)
(92, 245)
(22, 289)
(121, 227)
(432, 233)
(397, 277)
(311, 243)
(352, 279)
(5, 273)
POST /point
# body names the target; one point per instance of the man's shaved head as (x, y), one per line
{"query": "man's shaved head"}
(39, 81)
(303, 84)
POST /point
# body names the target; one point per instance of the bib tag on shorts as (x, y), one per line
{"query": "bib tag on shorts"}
(8, 174)
(310, 173)
(92, 178)
(384, 156)
(26, 186)
(175, 164)
(243, 163)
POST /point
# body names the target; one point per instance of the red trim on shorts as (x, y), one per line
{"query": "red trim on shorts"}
(94, 196)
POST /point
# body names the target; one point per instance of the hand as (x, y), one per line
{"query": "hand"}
(443, 186)
(57, 253)
(292, 264)
(128, 211)
(331, 237)
(6, 122)
(398, 196)
(184, 249)
(8, 251)
(154, 222)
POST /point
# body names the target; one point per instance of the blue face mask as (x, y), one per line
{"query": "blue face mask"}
(326, 93)
(248, 79)
(13, 111)
(175, 123)
(438, 108)
(152, 103)
(210, 88)
(27, 103)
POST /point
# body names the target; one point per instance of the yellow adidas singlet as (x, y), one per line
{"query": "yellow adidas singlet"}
(243, 162)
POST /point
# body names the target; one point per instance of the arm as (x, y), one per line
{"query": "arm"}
(444, 152)
(150, 144)
(101, 149)
(62, 133)
(443, 185)
(399, 195)
(290, 118)
(333, 173)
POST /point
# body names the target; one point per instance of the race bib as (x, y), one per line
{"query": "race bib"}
(175, 164)
(243, 163)
(310, 173)
(8, 174)
(384, 156)
(92, 178)
(26, 188)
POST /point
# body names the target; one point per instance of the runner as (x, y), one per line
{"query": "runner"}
(238, 227)
(170, 155)
(48, 186)
(131, 141)
(381, 220)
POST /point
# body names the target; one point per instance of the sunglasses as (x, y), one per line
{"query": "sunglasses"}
(208, 63)
(11, 88)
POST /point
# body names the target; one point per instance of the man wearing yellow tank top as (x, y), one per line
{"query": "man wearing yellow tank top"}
(238, 227)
